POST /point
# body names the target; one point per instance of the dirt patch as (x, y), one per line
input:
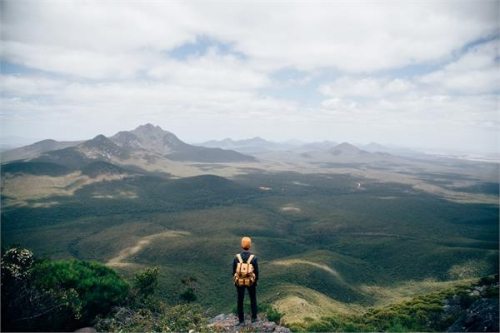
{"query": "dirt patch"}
(141, 244)
(116, 195)
(290, 208)
(291, 262)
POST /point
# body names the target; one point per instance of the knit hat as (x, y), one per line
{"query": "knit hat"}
(246, 243)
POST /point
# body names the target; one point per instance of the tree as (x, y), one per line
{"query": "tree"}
(189, 294)
(146, 282)
(55, 295)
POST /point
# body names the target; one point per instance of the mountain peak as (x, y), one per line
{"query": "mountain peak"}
(346, 148)
(149, 128)
(98, 140)
(101, 146)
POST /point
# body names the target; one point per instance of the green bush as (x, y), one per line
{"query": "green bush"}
(146, 282)
(55, 295)
(273, 314)
(188, 295)
(98, 287)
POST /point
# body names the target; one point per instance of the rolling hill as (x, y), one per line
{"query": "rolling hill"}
(35, 150)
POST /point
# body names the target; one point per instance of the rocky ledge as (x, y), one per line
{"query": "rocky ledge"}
(229, 323)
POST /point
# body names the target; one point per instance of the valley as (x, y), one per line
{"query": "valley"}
(337, 229)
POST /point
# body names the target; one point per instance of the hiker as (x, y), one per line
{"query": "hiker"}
(246, 275)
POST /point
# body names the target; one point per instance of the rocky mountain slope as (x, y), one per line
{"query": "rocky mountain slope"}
(146, 143)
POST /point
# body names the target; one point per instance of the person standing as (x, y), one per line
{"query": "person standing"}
(246, 275)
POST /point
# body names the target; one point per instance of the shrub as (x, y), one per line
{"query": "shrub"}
(146, 282)
(55, 295)
(99, 288)
(273, 314)
(188, 295)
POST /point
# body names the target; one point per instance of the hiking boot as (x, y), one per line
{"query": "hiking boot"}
(254, 320)
(241, 323)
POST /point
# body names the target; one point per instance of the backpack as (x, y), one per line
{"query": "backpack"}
(244, 276)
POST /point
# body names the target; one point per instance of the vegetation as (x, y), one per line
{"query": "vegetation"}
(146, 283)
(272, 314)
(35, 168)
(63, 295)
(55, 295)
(424, 313)
(354, 248)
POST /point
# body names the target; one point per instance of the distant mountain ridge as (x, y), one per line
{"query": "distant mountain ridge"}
(252, 145)
(146, 141)
(36, 149)
(347, 149)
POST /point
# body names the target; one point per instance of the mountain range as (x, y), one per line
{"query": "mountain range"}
(146, 142)
(150, 148)
(252, 145)
(259, 145)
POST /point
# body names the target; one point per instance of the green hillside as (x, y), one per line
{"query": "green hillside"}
(323, 243)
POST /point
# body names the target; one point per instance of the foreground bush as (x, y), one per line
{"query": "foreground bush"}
(99, 288)
(58, 295)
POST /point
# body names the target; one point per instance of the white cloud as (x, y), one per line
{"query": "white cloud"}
(106, 66)
(366, 87)
(214, 70)
(350, 36)
(26, 86)
(461, 100)
(474, 73)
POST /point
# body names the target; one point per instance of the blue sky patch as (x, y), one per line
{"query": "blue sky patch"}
(201, 46)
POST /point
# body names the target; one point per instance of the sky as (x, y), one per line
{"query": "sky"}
(409, 73)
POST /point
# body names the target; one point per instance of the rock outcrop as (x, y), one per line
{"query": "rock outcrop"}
(228, 323)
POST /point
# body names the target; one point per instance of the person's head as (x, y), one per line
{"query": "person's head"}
(246, 243)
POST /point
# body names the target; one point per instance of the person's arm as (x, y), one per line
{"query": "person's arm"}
(256, 268)
(234, 266)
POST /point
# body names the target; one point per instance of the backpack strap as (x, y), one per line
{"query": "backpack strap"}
(238, 256)
(250, 259)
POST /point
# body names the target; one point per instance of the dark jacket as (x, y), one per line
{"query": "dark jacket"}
(245, 255)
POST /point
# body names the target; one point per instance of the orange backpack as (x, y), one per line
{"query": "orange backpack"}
(244, 275)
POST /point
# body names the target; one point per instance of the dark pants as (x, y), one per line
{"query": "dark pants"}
(253, 301)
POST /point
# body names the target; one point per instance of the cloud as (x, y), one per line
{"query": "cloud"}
(349, 36)
(216, 69)
(366, 87)
(476, 72)
(460, 97)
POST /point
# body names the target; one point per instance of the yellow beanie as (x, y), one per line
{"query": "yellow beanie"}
(246, 243)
